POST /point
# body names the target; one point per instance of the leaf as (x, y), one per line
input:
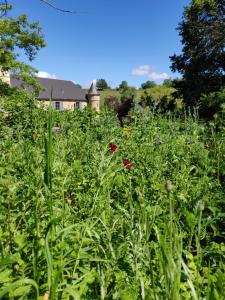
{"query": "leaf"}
(21, 291)
(8, 260)
(5, 276)
(155, 210)
(20, 240)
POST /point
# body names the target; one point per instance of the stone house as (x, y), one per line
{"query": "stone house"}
(64, 94)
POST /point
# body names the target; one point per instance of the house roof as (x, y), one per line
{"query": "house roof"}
(93, 89)
(60, 89)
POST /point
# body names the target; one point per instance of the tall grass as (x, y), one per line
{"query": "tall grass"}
(76, 224)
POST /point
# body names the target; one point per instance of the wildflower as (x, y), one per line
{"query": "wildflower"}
(127, 163)
(200, 205)
(56, 130)
(168, 185)
(127, 131)
(112, 148)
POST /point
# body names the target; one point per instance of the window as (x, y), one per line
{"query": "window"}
(57, 105)
(76, 105)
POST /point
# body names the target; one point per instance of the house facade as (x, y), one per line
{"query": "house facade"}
(64, 94)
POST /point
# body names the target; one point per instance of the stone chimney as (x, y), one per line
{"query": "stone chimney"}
(93, 97)
(4, 76)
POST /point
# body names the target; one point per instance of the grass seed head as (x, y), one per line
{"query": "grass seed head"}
(168, 185)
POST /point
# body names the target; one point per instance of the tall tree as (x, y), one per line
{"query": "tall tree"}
(102, 84)
(148, 84)
(168, 82)
(123, 85)
(202, 62)
(17, 35)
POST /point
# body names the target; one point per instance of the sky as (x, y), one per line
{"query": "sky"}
(114, 40)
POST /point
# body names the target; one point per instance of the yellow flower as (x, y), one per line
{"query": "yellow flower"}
(127, 131)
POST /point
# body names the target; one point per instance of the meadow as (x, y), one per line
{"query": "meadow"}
(90, 210)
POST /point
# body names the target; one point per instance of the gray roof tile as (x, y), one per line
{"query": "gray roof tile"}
(61, 89)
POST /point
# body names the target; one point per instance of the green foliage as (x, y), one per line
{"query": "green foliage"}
(148, 84)
(123, 85)
(76, 224)
(168, 82)
(202, 60)
(111, 101)
(212, 104)
(102, 84)
(161, 98)
(20, 110)
(18, 34)
(127, 93)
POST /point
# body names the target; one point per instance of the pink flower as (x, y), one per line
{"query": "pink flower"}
(127, 163)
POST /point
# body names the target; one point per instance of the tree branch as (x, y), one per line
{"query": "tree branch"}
(60, 9)
(3, 11)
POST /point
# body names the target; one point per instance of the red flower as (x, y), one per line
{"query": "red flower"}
(112, 148)
(127, 163)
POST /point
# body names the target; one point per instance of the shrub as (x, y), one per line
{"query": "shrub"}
(212, 104)
(161, 98)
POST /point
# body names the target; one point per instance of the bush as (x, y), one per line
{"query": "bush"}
(161, 98)
(212, 104)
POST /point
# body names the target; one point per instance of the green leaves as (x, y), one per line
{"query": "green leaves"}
(202, 31)
(107, 232)
(18, 33)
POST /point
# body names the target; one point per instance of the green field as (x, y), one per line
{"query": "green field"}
(78, 222)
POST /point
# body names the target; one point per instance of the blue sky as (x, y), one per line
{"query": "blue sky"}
(115, 40)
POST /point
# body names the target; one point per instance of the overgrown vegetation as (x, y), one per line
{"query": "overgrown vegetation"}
(141, 219)
(90, 210)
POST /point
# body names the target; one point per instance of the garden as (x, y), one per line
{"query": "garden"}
(91, 210)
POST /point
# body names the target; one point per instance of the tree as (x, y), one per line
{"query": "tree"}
(148, 84)
(127, 93)
(123, 85)
(18, 34)
(161, 98)
(102, 84)
(111, 102)
(202, 62)
(168, 82)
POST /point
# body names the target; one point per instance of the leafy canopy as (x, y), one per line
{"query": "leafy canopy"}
(161, 98)
(18, 35)
(123, 85)
(148, 84)
(202, 61)
(102, 84)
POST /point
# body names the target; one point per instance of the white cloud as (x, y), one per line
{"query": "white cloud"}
(46, 75)
(141, 70)
(158, 76)
(146, 70)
